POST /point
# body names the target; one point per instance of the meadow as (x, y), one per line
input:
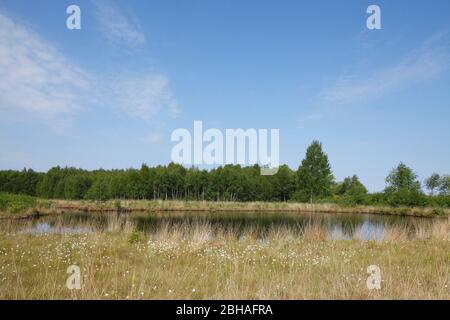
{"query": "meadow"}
(183, 262)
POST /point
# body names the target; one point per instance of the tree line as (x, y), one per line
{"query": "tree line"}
(313, 181)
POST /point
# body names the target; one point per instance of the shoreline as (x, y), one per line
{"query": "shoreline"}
(48, 207)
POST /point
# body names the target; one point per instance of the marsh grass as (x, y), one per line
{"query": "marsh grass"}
(200, 262)
(14, 205)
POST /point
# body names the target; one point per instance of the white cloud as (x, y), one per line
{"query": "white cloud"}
(35, 79)
(38, 83)
(425, 64)
(142, 96)
(116, 27)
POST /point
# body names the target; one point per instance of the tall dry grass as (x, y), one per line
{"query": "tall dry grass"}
(200, 262)
(58, 206)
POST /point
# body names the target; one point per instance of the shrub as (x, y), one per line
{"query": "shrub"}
(13, 203)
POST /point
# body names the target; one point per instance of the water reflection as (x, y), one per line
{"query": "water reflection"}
(48, 228)
(336, 226)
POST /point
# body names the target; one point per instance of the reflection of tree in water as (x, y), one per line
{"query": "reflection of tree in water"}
(338, 226)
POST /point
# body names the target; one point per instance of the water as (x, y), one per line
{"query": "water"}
(336, 226)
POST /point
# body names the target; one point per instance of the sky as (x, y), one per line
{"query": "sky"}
(110, 94)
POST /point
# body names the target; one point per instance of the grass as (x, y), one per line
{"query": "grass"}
(197, 263)
(16, 205)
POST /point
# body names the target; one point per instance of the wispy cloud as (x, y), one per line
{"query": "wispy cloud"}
(116, 27)
(142, 96)
(38, 82)
(424, 64)
(35, 78)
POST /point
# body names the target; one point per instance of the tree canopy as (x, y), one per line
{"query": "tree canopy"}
(314, 174)
(313, 181)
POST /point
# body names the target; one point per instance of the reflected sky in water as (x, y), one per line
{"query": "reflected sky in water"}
(336, 226)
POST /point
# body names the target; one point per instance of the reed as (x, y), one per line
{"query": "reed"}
(46, 207)
(182, 262)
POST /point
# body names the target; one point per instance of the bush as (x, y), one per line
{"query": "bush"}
(301, 196)
(375, 199)
(13, 203)
(439, 201)
(437, 212)
(406, 198)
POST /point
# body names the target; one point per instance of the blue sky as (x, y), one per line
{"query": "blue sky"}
(109, 95)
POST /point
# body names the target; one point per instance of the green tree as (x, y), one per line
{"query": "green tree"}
(314, 174)
(433, 182)
(52, 186)
(351, 186)
(176, 175)
(403, 188)
(192, 183)
(402, 178)
(350, 191)
(100, 189)
(134, 188)
(76, 186)
(444, 185)
(147, 176)
(283, 183)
